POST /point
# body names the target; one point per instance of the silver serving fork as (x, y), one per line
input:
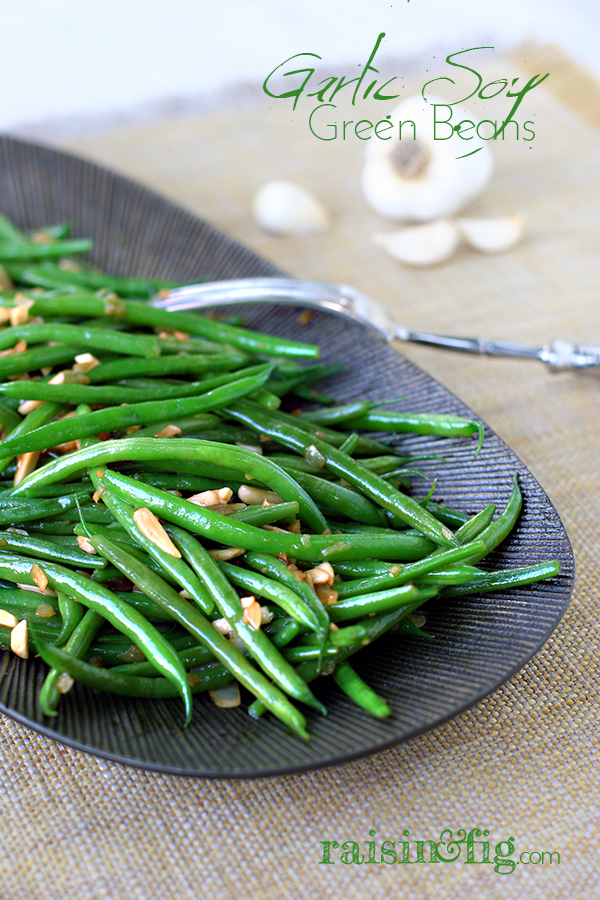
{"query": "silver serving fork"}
(347, 301)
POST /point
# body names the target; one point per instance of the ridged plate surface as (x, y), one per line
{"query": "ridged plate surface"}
(479, 641)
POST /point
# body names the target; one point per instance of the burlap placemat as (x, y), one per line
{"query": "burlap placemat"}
(522, 763)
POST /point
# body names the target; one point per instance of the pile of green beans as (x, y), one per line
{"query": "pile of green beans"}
(169, 523)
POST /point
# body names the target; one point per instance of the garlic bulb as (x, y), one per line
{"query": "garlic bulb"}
(283, 207)
(492, 235)
(421, 179)
(421, 245)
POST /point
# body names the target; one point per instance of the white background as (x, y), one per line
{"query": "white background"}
(68, 57)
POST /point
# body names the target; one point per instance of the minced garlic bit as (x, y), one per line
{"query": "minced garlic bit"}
(253, 495)
(45, 611)
(39, 577)
(64, 683)
(151, 528)
(223, 627)
(19, 314)
(7, 619)
(212, 498)
(68, 376)
(18, 640)
(266, 615)
(85, 545)
(322, 574)
(20, 347)
(247, 601)
(226, 697)
(226, 553)
(253, 615)
(28, 406)
(85, 361)
(326, 594)
(26, 463)
(168, 432)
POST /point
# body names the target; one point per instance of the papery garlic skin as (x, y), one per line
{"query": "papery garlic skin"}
(492, 235)
(420, 180)
(282, 207)
(421, 245)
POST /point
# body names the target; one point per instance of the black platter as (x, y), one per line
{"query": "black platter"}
(479, 641)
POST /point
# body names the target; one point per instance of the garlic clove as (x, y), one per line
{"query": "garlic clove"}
(283, 207)
(227, 696)
(492, 235)
(419, 176)
(421, 245)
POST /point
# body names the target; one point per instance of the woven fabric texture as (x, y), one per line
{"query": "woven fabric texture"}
(523, 763)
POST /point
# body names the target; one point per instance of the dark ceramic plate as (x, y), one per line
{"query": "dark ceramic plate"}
(479, 641)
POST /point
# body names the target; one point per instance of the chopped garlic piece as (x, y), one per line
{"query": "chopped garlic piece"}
(254, 495)
(212, 498)
(7, 619)
(151, 528)
(18, 640)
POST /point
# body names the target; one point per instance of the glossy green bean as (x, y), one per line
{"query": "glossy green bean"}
(250, 465)
(347, 468)
(399, 575)
(227, 600)
(288, 599)
(81, 336)
(195, 622)
(118, 612)
(359, 691)
(223, 529)
(176, 568)
(35, 419)
(42, 548)
(367, 604)
(121, 417)
(71, 613)
(9, 419)
(206, 678)
(153, 317)
(54, 277)
(31, 250)
(518, 576)
(77, 645)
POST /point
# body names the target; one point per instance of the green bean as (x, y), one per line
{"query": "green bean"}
(9, 419)
(249, 465)
(44, 276)
(288, 599)
(206, 678)
(143, 314)
(118, 612)
(399, 575)
(366, 604)
(265, 515)
(347, 468)
(121, 417)
(339, 415)
(227, 600)
(71, 613)
(358, 690)
(31, 250)
(77, 645)
(442, 425)
(170, 564)
(343, 500)
(42, 548)
(80, 336)
(501, 527)
(9, 233)
(38, 358)
(220, 528)
(193, 620)
(17, 510)
(518, 576)
(194, 656)
(120, 368)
